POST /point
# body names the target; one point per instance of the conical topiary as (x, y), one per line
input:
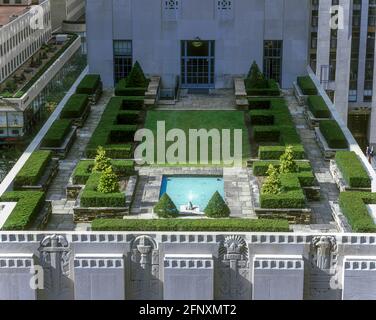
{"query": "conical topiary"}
(288, 164)
(101, 162)
(136, 78)
(272, 184)
(166, 208)
(217, 207)
(255, 77)
(108, 182)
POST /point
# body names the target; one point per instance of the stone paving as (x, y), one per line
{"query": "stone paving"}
(238, 193)
(322, 212)
(62, 210)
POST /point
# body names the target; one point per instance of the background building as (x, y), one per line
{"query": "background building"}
(66, 10)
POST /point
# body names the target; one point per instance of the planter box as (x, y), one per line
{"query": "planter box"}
(340, 218)
(94, 98)
(42, 219)
(326, 151)
(340, 181)
(294, 216)
(73, 191)
(312, 193)
(311, 120)
(89, 214)
(62, 152)
(79, 122)
(300, 97)
(48, 176)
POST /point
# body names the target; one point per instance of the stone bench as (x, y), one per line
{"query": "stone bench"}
(152, 93)
(294, 216)
(241, 94)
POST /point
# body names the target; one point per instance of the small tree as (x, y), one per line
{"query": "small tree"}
(288, 164)
(108, 182)
(217, 207)
(101, 162)
(272, 184)
(255, 77)
(166, 208)
(136, 78)
(10, 86)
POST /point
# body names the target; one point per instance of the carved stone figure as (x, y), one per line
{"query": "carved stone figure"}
(324, 246)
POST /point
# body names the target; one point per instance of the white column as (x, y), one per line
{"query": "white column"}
(372, 128)
(341, 100)
(323, 35)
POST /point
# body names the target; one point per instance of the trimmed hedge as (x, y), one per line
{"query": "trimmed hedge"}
(307, 86)
(132, 103)
(266, 133)
(352, 169)
(82, 172)
(116, 139)
(333, 134)
(29, 205)
(33, 169)
(56, 135)
(217, 207)
(292, 196)
(198, 225)
(275, 152)
(260, 118)
(91, 198)
(260, 168)
(353, 206)
(166, 208)
(257, 104)
(272, 89)
(318, 107)
(75, 106)
(89, 84)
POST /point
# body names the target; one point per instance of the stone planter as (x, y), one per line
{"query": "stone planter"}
(340, 181)
(62, 152)
(241, 94)
(312, 193)
(94, 98)
(340, 218)
(89, 214)
(300, 97)
(79, 122)
(328, 153)
(73, 191)
(294, 216)
(311, 120)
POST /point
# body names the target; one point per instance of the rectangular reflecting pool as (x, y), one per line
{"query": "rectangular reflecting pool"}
(195, 189)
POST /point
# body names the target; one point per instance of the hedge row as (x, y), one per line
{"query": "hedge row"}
(272, 123)
(352, 169)
(318, 107)
(199, 225)
(272, 89)
(29, 204)
(89, 84)
(56, 135)
(307, 86)
(121, 89)
(353, 206)
(33, 169)
(82, 172)
(116, 129)
(292, 196)
(75, 106)
(333, 134)
(91, 198)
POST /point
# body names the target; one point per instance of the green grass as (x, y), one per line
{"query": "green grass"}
(307, 86)
(186, 120)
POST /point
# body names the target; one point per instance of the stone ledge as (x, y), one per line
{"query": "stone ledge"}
(311, 120)
(16, 260)
(105, 261)
(266, 262)
(188, 261)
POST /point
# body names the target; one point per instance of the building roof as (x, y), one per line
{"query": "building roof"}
(7, 11)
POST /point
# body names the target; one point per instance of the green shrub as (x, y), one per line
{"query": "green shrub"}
(261, 118)
(123, 168)
(275, 152)
(132, 103)
(307, 86)
(318, 107)
(56, 135)
(272, 90)
(134, 85)
(287, 162)
(128, 117)
(257, 104)
(108, 182)
(29, 205)
(333, 134)
(353, 206)
(75, 106)
(256, 78)
(101, 162)
(166, 208)
(266, 133)
(352, 169)
(92, 198)
(89, 84)
(33, 169)
(217, 207)
(196, 225)
(272, 184)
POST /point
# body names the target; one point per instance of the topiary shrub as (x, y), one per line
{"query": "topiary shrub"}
(101, 162)
(108, 182)
(217, 207)
(288, 164)
(136, 78)
(166, 208)
(272, 184)
(255, 78)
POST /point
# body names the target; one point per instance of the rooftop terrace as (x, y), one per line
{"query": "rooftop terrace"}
(8, 13)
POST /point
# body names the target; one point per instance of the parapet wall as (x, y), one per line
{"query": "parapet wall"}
(187, 266)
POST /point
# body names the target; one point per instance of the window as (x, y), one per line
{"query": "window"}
(273, 59)
(122, 59)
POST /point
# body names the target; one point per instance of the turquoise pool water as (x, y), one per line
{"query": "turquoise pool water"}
(198, 190)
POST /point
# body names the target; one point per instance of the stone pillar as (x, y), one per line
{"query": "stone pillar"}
(278, 277)
(15, 277)
(188, 277)
(341, 100)
(372, 128)
(99, 277)
(359, 278)
(323, 36)
(362, 49)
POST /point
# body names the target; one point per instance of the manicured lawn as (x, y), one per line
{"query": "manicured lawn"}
(186, 120)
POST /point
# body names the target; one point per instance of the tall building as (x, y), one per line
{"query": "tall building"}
(66, 11)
